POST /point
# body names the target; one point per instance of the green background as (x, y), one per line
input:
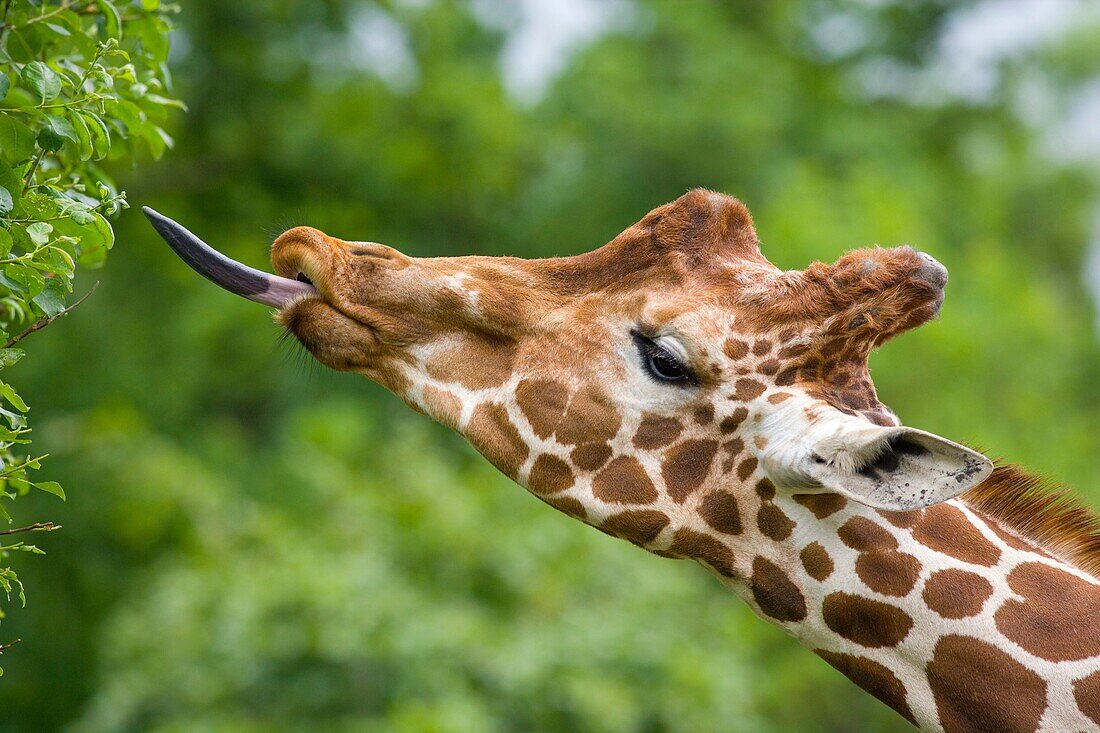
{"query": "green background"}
(252, 543)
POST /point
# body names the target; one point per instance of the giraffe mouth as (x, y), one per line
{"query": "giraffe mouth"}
(237, 278)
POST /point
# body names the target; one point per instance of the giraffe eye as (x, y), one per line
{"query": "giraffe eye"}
(661, 363)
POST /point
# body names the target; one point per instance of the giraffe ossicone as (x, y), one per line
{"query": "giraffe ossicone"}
(677, 390)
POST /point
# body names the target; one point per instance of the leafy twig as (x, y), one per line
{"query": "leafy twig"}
(42, 323)
(36, 527)
(38, 18)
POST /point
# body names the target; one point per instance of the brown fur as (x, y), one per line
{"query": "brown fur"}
(1043, 512)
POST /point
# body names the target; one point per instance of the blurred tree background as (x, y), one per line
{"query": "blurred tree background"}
(252, 543)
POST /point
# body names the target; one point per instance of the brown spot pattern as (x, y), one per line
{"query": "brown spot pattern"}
(889, 573)
(769, 367)
(944, 528)
(1086, 692)
(543, 403)
(443, 406)
(787, 377)
(774, 592)
(822, 505)
(815, 558)
(761, 347)
(719, 510)
(656, 431)
(748, 389)
(569, 505)
(591, 418)
(624, 481)
(862, 534)
(733, 421)
(773, 522)
(955, 593)
(493, 434)
(735, 349)
(689, 543)
(765, 489)
(686, 467)
(969, 679)
(704, 414)
(731, 448)
(591, 456)
(475, 364)
(549, 475)
(865, 621)
(639, 526)
(872, 677)
(1057, 618)
(902, 520)
(746, 467)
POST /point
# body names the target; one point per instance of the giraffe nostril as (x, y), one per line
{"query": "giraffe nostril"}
(301, 277)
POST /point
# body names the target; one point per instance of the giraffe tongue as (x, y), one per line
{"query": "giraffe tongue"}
(241, 279)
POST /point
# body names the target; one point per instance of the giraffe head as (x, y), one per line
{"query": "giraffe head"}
(673, 360)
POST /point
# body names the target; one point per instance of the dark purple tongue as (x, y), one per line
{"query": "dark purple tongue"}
(242, 280)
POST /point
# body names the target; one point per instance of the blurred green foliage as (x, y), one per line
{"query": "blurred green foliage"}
(255, 544)
(80, 83)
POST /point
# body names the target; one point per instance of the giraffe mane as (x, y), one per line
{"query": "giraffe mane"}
(1043, 511)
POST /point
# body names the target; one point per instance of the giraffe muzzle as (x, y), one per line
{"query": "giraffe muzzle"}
(227, 273)
(932, 271)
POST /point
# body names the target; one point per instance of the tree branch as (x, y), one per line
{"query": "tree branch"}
(40, 324)
(36, 527)
(9, 645)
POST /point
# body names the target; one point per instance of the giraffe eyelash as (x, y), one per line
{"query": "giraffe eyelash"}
(661, 363)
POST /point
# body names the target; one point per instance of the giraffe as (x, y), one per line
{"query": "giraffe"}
(675, 389)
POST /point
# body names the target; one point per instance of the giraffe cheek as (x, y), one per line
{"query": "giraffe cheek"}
(492, 433)
(442, 406)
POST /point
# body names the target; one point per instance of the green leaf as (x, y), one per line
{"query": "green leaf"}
(9, 357)
(39, 232)
(16, 140)
(5, 85)
(10, 395)
(52, 298)
(55, 132)
(5, 242)
(50, 487)
(156, 139)
(83, 135)
(12, 284)
(81, 216)
(58, 261)
(6, 202)
(101, 136)
(112, 21)
(103, 228)
(36, 205)
(165, 101)
(42, 80)
(128, 113)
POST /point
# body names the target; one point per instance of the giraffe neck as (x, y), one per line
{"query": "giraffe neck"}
(950, 619)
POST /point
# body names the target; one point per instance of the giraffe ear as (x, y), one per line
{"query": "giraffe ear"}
(893, 467)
